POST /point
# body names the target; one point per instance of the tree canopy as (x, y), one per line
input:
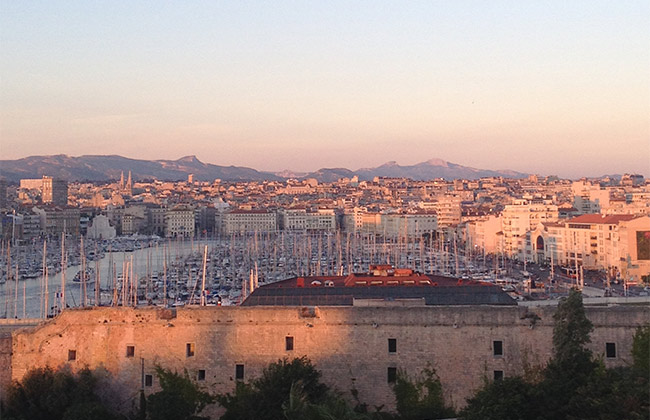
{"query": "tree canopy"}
(574, 384)
(48, 394)
(179, 399)
(263, 398)
(421, 398)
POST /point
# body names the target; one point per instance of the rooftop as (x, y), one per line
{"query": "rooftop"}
(601, 219)
(382, 285)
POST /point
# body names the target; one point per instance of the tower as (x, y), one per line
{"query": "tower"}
(54, 191)
(129, 185)
(3, 193)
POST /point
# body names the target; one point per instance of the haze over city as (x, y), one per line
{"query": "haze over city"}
(550, 88)
(356, 210)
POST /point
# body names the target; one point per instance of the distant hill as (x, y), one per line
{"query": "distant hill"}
(104, 168)
(431, 169)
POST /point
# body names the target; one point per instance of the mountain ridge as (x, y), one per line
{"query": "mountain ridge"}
(110, 167)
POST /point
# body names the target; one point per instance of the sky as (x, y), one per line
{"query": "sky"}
(547, 87)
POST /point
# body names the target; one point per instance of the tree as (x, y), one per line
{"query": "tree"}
(179, 399)
(421, 398)
(507, 399)
(48, 394)
(263, 398)
(571, 330)
(573, 384)
(641, 351)
(572, 366)
(334, 407)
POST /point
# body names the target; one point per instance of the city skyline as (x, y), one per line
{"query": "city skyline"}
(548, 88)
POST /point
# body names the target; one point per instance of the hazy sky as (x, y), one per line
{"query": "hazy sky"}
(552, 87)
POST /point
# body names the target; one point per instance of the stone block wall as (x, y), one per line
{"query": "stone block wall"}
(348, 344)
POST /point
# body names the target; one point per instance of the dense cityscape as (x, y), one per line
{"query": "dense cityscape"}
(590, 224)
(175, 244)
(342, 210)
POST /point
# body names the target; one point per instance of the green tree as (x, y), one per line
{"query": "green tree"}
(571, 330)
(334, 407)
(179, 399)
(641, 351)
(48, 394)
(573, 385)
(421, 398)
(266, 397)
(507, 399)
(572, 366)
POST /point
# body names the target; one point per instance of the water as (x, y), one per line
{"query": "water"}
(231, 262)
(25, 298)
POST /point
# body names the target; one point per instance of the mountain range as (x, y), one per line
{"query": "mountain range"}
(110, 167)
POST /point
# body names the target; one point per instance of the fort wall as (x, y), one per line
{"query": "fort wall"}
(348, 344)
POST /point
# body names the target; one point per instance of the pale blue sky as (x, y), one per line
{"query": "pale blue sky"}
(551, 87)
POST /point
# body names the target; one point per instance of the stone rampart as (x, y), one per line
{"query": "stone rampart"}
(348, 344)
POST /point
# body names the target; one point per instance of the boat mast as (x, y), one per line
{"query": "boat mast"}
(63, 267)
(83, 272)
(97, 279)
(44, 283)
(205, 258)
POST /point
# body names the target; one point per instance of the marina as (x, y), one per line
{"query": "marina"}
(210, 271)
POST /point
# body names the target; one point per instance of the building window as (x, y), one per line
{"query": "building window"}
(288, 343)
(610, 350)
(189, 350)
(148, 380)
(72, 355)
(498, 375)
(130, 351)
(392, 345)
(497, 347)
(201, 375)
(391, 375)
(239, 372)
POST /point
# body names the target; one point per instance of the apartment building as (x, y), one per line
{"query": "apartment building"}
(518, 219)
(243, 221)
(619, 244)
(301, 219)
(54, 191)
(179, 222)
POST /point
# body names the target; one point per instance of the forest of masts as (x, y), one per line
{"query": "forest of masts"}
(217, 270)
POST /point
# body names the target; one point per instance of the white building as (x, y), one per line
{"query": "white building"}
(299, 219)
(411, 225)
(521, 217)
(179, 222)
(100, 228)
(619, 244)
(449, 211)
(589, 198)
(242, 221)
(482, 234)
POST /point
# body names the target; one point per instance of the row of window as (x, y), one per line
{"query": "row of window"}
(190, 350)
(200, 375)
(497, 348)
(391, 375)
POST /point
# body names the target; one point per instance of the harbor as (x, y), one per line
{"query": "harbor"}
(146, 271)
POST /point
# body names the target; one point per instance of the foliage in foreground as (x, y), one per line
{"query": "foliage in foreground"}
(421, 398)
(263, 398)
(289, 390)
(574, 384)
(179, 399)
(48, 394)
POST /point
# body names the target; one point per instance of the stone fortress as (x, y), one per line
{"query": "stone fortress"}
(354, 347)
